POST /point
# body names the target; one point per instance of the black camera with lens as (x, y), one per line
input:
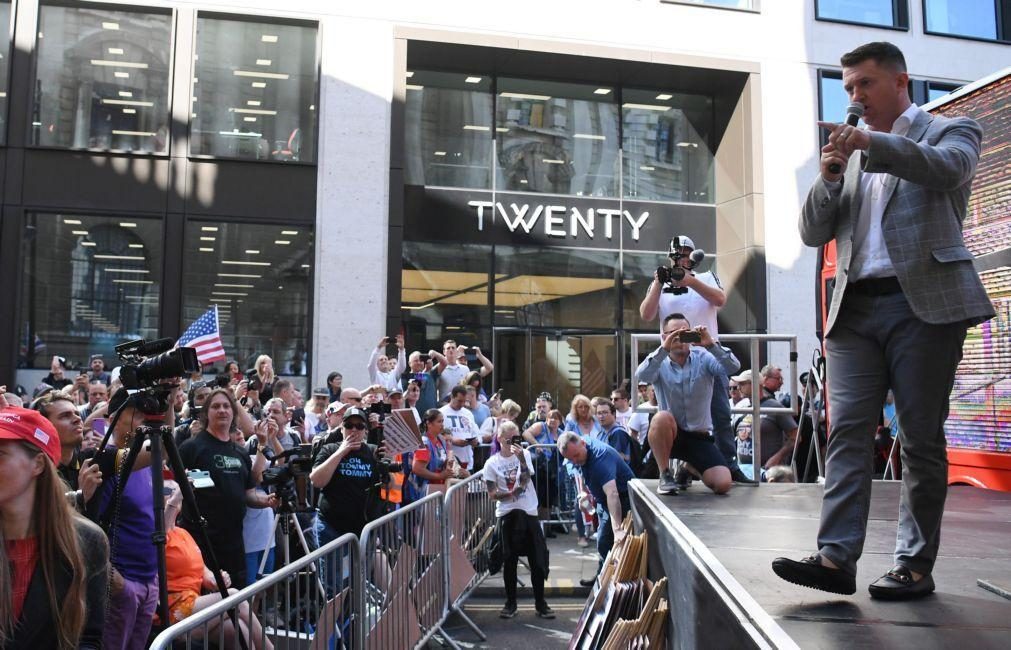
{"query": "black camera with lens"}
(289, 480)
(147, 364)
(675, 273)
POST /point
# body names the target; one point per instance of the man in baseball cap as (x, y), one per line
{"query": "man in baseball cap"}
(30, 426)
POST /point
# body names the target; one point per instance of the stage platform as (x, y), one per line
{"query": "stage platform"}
(716, 552)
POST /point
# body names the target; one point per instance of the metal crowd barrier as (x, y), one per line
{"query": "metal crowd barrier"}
(468, 537)
(556, 490)
(287, 608)
(403, 575)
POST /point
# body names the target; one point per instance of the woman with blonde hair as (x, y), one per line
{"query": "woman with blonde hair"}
(489, 430)
(53, 564)
(263, 382)
(581, 420)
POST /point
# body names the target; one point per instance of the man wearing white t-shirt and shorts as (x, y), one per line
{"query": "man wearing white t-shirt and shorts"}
(699, 297)
(507, 475)
(460, 423)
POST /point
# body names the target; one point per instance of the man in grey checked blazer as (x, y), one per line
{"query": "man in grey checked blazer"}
(893, 197)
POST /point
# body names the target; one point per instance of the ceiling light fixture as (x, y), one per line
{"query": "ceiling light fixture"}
(126, 102)
(242, 263)
(121, 75)
(259, 84)
(115, 50)
(208, 239)
(473, 80)
(117, 281)
(249, 119)
(664, 97)
(82, 233)
(602, 91)
(130, 111)
(143, 134)
(136, 245)
(239, 275)
(439, 153)
(234, 286)
(552, 161)
(138, 258)
(72, 222)
(125, 93)
(240, 134)
(209, 228)
(410, 74)
(127, 224)
(87, 243)
(127, 271)
(414, 87)
(110, 25)
(282, 242)
(269, 38)
(119, 64)
(253, 111)
(289, 232)
(206, 250)
(250, 251)
(262, 75)
(475, 127)
(228, 293)
(263, 62)
(253, 102)
(647, 107)
(536, 98)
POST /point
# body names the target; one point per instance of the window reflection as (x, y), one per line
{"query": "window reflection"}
(444, 289)
(448, 137)
(89, 284)
(258, 276)
(665, 146)
(555, 287)
(834, 99)
(872, 12)
(254, 91)
(102, 79)
(558, 138)
(5, 48)
(976, 18)
(936, 90)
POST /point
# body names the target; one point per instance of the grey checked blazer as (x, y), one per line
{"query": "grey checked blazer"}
(930, 172)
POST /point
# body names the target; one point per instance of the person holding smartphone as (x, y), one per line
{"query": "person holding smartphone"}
(683, 377)
(507, 475)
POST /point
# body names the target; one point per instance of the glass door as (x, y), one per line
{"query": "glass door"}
(560, 362)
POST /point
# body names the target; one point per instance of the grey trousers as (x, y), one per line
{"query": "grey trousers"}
(878, 343)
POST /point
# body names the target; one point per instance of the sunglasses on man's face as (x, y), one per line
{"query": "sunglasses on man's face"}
(359, 426)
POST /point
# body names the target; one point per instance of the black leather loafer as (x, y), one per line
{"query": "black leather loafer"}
(809, 572)
(898, 584)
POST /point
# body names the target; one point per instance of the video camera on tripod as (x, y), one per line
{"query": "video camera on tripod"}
(289, 479)
(669, 275)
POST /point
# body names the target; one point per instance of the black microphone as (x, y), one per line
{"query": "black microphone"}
(853, 114)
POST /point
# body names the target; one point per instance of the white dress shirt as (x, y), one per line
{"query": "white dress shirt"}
(870, 253)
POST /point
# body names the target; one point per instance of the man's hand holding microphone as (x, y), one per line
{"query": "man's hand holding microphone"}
(843, 140)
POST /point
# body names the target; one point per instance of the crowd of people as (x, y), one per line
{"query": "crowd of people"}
(232, 426)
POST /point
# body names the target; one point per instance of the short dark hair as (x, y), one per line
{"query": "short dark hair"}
(608, 403)
(457, 390)
(881, 52)
(675, 316)
(620, 392)
(281, 385)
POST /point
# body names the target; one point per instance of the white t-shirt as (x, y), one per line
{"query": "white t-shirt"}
(696, 309)
(461, 424)
(640, 423)
(451, 376)
(623, 417)
(505, 472)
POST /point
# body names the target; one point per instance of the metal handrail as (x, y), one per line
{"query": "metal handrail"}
(219, 609)
(756, 409)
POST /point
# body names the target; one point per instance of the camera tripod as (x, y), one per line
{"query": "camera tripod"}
(285, 519)
(153, 407)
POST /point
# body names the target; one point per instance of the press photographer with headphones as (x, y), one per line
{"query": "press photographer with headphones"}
(678, 289)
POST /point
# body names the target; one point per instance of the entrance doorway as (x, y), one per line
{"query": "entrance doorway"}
(563, 363)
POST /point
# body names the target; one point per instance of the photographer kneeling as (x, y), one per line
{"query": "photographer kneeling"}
(348, 475)
(507, 475)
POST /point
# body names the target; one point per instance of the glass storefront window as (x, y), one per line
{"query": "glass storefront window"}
(5, 54)
(448, 139)
(665, 148)
(258, 276)
(555, 287)
(936, 90)
(254, 90)
(834, 99)
(102, 79)
(557, 138)
(443, 287)
(90, 283)
(870, 12)
(973, 18)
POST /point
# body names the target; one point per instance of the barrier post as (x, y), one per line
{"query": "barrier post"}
(403, 599)
(468, 536)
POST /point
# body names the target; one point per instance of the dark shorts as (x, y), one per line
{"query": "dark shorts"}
(697, 449)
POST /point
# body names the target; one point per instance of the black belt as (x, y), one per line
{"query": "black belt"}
(876, 286)
(698, 435)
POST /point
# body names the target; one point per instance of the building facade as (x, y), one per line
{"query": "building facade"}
(508, 177)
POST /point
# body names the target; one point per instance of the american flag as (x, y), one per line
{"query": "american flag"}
(204, 335)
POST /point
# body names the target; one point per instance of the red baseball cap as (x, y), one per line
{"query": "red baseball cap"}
(31, 426)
